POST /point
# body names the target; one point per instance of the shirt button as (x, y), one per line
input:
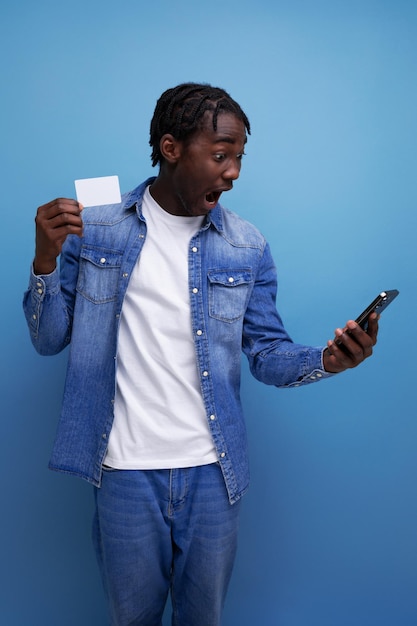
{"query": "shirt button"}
(231, 279)
(199, 332)
(212, 417)
(102, 260)
(104, 436)
(39, 284)
(319, 375)
(194, 249)
(34, 317)
(125, 274)
(223, 454)
(205, 373)
(195, 290)
(40, 291)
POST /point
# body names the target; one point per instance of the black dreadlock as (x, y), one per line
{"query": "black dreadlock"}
(180, 111)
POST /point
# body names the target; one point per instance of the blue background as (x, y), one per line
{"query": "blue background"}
(328, 533)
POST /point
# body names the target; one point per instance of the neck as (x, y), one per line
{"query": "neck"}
(163, 193)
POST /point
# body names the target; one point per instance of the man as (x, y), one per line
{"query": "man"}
(157, 296)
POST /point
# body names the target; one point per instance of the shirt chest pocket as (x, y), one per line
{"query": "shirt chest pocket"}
(228, 293)
(98, 275)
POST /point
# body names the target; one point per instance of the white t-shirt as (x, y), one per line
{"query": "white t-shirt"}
(160, 421)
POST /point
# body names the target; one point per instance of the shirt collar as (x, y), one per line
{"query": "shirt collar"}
(134, 197)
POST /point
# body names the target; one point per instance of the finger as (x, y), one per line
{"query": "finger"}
(362, 337)
(58, 206)
(62, 201)
(373, 325)
(356, 342)
(345, 345)
(60, 212)
(64, 220)
(336, 359)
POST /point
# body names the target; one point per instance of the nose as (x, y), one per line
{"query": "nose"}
(233, 170)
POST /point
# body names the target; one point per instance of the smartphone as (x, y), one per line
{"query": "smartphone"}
(378, 305)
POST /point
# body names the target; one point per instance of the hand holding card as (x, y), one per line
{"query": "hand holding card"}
(97, 191)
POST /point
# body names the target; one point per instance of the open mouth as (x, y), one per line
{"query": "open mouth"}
(212, 198)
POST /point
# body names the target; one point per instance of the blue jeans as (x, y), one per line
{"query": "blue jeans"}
(157, 531)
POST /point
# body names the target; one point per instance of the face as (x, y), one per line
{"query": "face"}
(204, 167)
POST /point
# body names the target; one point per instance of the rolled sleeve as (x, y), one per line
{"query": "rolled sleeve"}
(45, 313)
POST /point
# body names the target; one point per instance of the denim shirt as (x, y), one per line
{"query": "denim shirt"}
(232, 288)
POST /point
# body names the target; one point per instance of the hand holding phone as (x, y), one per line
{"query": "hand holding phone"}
(378, 305)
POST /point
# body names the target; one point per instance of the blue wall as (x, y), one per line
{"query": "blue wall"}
(328, 535)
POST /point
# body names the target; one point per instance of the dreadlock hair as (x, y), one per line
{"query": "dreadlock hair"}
(180, 112)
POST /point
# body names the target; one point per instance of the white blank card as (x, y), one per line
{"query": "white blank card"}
(96, 191)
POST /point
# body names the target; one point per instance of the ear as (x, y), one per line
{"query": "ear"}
(170, 148)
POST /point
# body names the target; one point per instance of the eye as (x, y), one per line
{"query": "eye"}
(219, 156)
(241, 155)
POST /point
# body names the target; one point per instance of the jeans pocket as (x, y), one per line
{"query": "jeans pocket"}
(99, 272)
(228, 293)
